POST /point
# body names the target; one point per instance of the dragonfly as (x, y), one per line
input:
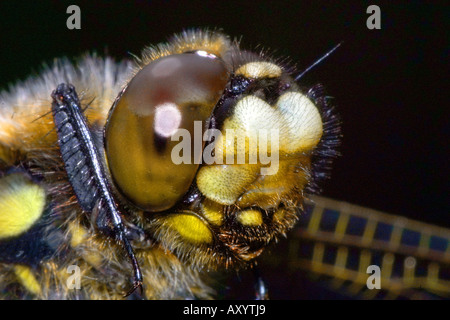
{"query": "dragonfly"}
(86, 177)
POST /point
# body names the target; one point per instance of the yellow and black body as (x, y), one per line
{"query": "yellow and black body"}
(92, 198)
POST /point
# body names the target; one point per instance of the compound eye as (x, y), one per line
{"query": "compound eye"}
(156, 112)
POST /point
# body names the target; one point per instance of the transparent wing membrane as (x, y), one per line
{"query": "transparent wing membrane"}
(337, 241)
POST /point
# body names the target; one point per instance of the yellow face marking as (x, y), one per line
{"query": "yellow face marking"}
(250, 218)
(225, 183)
(27, 279)
(268, 190)
(259, 69)
(213, 212)
(299, 126)
(21, 204)
(190, 228)
(303, 122)
(294, 117)
(252, 118)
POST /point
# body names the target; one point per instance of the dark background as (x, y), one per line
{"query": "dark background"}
(388, 84)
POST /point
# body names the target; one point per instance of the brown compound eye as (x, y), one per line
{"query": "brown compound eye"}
(144, 125)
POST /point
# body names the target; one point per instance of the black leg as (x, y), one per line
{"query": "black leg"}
(84, 168)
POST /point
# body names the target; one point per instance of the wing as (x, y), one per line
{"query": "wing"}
(336, 242)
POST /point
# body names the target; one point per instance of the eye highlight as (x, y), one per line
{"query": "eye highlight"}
(167, 119)
(167, 95)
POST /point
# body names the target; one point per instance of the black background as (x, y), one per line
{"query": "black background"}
(388, 84)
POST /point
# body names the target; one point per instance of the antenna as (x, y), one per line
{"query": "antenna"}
(318, 61)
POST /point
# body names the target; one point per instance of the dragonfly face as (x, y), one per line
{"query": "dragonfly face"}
(196, 157)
